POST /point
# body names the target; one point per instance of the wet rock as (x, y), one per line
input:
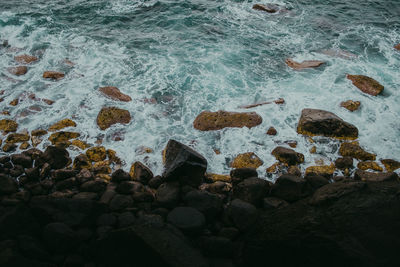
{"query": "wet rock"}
(59, 237)
(18, 71)
(167, 195)
(290, 188)
(112, 115)
(213, 177)
(155, 182)
(271, 203)
(7, 185)
(107, 219)
(240, 174)
(242, 214)
(9, 147)
(119, 176)
(247, 160)
(184, 164)
(7, 125)
(54, 75)
(252, 190)
(187, 219)
(82, 162)
(120, 202)
(351, 105)
(304, 64)
(78, 143)
(287, 155)
(38, 132)
(208, 121)
(269, 8)
(24, 145)
(61, 137)
(140, 173)
(320, 122)
(129, 187)
(323, 170)
(366, 84)
(96, 154)
(397, 47)
(316, 181)
(344, 163)
(22, 159)
(33, 174)
(375, 177)
(17, 138)
(294, 170)
(369, 165)
(57, 157)
(272, 131)
(354, 150)
(62, 124)
(97, 185)
(208, 204)
(390, 164)
(25, 59)
(115, 94)
(63, 174)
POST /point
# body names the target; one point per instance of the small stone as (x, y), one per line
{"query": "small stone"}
(247, 160)
(313, 150)
(119, 176)
(292, 144)
(325, 170)
(143, 150)
(366, 84)
(187, 219)
(290, 188)
(354, 150)
(25, 59)
(97, 153)
(303, 65)
(54, 75)
(112, 156)
(115, 94)
(351, 105)
(390, 164)
(18, 71)
(287, 155)
(112, 115)
(294, 170)
(48, 101)
(8, 125)
(62, 124)
(208, 121)
(369, 165)
(272, 131)
(61, 137)
(274, 168)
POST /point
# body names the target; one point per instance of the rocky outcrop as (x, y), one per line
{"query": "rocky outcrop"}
(53, 75)
(320, 122)
(246, 160)
(25, 59)
(354, 150)
(18, 71)
(115, 94)
(366, 84)
(351, 105)
(307, 64)
(209, 121)
(287, 155)
(111, 115)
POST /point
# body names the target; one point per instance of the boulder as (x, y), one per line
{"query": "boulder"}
(390, 164)
(369, 165)
(119, 176)
(18, 71)
(54, 75)
(184, 164)
(57, 157)
(242, 214)
(25, 59)
(63, 174)
(115, 94)
(272, 203)
(375, 177)
(168, 194)
(62, 124)
(354, 150)
(316, 181)
(140, 173)
(213, 177)
(252, 190)
(22, 159)
(246, 160)
(111, 115)
(187, 219)
(208, 204)
(287, 155)
(38, 132)
(78, 143)
(350, 105)
(290, 188)
(366, 84)
(96, 186)
(7, 125)
(209, 121)
(324, 123)
(304, 64)
(129, 187)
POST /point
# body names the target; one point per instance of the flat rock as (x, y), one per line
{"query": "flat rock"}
(350, 105)
(369, 165)
(17, 138)
(324, 123)
(115, 94)
(366, 84)
(247, 160)
(18, 71)
(187, 219)
(287, 155)
(25, 59)
(354, 150)
(375, 177)
(54, 75)
(209, 121)
(112, 115)
(304, 64)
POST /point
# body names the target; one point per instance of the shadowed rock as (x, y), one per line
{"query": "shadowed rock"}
(208, 121)
(366, 84)
(354, 150)
(287, 155)
(375, 177)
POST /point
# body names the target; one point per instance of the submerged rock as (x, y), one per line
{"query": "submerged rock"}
(350, 105)
(62, 124)
(354, 150)
(208, 121)
(247, 160)
(270, 8)
(366, 84)
(287, 155)
(18, 71)
(7, 125)
(184, 164)
(390, 164)
(25, 59)
(55, 75)
(304, 64)
(320, 122)
(115, 94)
(112, 115)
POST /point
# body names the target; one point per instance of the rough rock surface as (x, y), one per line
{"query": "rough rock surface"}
(304, 64)
(350, 105)
(208, 121)
(25, 59)
(320, 122)
(247, 160)
(62, 124)
(18, 71)
(290, 188)
(375, 177)
(115, 94)
(390, 164)
(7, 125)
(112, 115)
(287, 155)
(366, 84)
(54, 75)
(354, 150)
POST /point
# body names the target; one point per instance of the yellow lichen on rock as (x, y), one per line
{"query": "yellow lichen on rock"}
(38, 132)
(325, 170)
(17, 138)
(112, 156)
(62, 124)
(63, 137)
(273, 168)
(247, 160)
(82, 145)
(366, 165)
(390, 164)
(24, 145)
(219, 177)
(354, 150)
(112, 115)
(104, 176)
(97, 153)
(7, 125)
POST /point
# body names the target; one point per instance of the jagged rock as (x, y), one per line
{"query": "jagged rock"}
(140, 173)
(351, 105)
(97, 153)
(167, 195)
(7, 125)
(17, 138)
(287, 155)
(187, 219)
(304, 64)
(390, 164)
(61, 137)
(57, 157)
(208, 204)
(366, 84)
(115, 94)
(184, 164)
(62, 124)
(272, 131)
(354, 150)
(290, 188)
(323, 170)
(344, 163)
(252, 190)
(7, 185)
(375, 177)
(54, 75)
(320, 122)
(369, 165)
(209, 121)
(247, 160)
(25, 59)
(271, 203)
(18, 71)
(112, 115)
(242, 214)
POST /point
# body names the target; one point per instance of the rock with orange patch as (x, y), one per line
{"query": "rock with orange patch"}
(82, 145)
(97, 153)
(62, 124)
(54, 75)
(208, 121)
(369, 165)
(62, 137)
(350, 105)
(354, 150)
(247, 160)
(366, 84)
(112, 156)
(17, 138)
(7, 125)
(325, 170)
(18, 71)
(303, 65)
(273, 168)
(25, 59)
(112, 115)
(115, 94)
(390, 164)
(219, 177)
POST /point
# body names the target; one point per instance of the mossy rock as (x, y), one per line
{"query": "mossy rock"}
(219, 177)
(350, 105)
(82, 145)
(7, 125)
(97, 153)
(390, 164)
(324, 170)
(112, 115)
(247, 160)
(354, 150)
(17, 138)
(369, 165)
(62, 124)
(63, 137)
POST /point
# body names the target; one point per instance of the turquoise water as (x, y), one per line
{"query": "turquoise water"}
(204, 55)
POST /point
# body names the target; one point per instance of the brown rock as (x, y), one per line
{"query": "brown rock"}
(325, 170)
(397, 46)
(351, 105)
(80, 144)
(24, 145)
(25, 59)
(354, 150)
(62, 124)
(375, 177)
(48, 101)
(140, 172)
(272, 131)
(38, 132)
(267, 8)
(14, 102)
(303, 65)
(55, 75)
(390, 164)
(97, 153)
(114, 93)
(247, 160)
(17, 138)
(274, 168)
(218, 177)
(287, 155)
(313, 150)
(366, 84)
(207, 120)
(369, 165)
(320, 122)
(292, 144)
(82, 162)
(112, 115)
(61, 137)
(8, 125)
(18, 71)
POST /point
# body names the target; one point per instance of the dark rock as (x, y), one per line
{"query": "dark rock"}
(120, 202)
(33, 174)
(217, 246)
(119, 176)
(290, 188)
(208, 204)
(107, 196)
(107, 219)
(129, 187)
(354, 150)
(243, 214)
(375, 177)
(5, 159)
(184, 164)
(366, 84)
(17, 171)
(316, 181)
(57, 157)
(114, 93)
(221, 188)
(81, 162)
(84, 176)
(344, 163)
(229, 232)
(287, 155)
(270, 8)
(240, 174)
(45, 171)
(252, 190)
(320, 122)
(59, 237)
(126, 219)
(155, 182)
(32, 248)
(306, 64)
(22, 159)
(63, 174)
(66, 184)
(140, 173)
(390, 164)
(97, 185)
(86, 196)
(271, 203)
(7, 185)
(167, 195)
(187, 219)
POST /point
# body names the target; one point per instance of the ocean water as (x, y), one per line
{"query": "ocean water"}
(204, 55)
